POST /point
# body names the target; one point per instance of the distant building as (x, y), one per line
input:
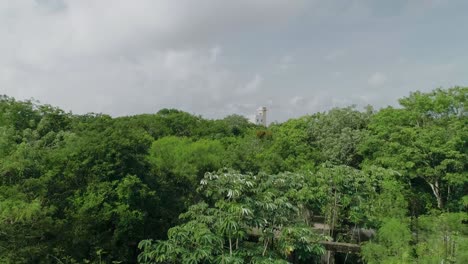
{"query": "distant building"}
(260, 117)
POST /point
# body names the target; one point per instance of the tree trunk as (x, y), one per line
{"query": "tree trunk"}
(436, 190)
(265, 248)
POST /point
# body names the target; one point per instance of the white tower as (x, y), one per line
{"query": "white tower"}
(260, 117)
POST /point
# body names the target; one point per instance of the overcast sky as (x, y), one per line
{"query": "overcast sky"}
(215, 57)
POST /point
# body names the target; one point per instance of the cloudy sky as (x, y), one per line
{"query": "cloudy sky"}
(215, 57)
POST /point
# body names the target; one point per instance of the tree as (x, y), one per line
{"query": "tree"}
(109, 217)
(244, 219)
(290, 149)
(26, 226)
(338, 133)
(442, 238)
(392, 245)
(177, 166)
(88, 188)
(425, 139)
(350, 199)
(236, 124)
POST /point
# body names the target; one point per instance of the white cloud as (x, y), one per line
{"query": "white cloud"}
(377, 79)
(286, 62)
(337, 74)
(124, 57)
(214, 53)
(297, 101)
(89, 27)
(335, 55)
(252, 86)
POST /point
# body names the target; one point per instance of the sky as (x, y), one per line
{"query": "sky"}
(219, 57)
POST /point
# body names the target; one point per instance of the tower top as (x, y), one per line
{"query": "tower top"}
(260, 117)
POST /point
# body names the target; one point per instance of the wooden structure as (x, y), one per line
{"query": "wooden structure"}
(341, 247)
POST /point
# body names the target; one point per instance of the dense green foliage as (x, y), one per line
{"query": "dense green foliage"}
(172, 187)
(248, 215)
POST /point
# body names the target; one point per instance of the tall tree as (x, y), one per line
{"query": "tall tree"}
(427, 138)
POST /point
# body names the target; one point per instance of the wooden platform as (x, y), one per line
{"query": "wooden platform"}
(341, 247)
